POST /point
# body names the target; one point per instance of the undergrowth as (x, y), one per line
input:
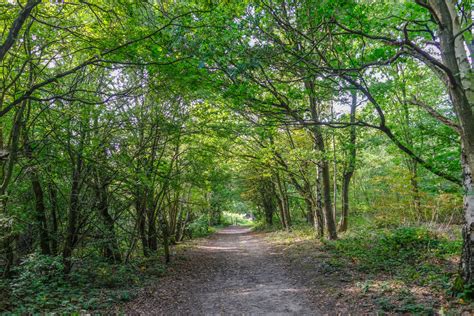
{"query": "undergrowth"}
(201, 227)
(414, 254)
(390, 260)
(39, 284)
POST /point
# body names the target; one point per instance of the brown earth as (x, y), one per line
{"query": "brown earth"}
(235, 271)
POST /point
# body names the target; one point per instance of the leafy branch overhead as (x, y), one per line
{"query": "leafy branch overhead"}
(129, 128)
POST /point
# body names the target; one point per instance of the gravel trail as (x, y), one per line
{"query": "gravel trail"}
(235, 271)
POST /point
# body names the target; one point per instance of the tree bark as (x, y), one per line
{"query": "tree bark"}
(467, 257)
(349, 171)
(40, 209)
(7, 169)
(73, 215)
(458, 74)
(323, 163)
(268, 201)
(165, 234)
(53, 197)
(182, 227)
(111, 248)
(326, 186)
(319, 216)
(152, 236)
(16, 27)
(334, 167)
(283, 203)
(140, 207)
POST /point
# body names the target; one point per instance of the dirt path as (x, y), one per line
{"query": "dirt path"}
(233, 272)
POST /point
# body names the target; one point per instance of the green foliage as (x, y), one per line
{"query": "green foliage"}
(406, 305)
(409, 253)
(39, 284)
(400, 247)
(184, 112)
(462, 290)
(200, 227)
(230, 218)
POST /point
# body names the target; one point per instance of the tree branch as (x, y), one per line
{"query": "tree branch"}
(436, 115)
(16, 27)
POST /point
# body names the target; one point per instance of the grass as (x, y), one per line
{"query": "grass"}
(399, 269)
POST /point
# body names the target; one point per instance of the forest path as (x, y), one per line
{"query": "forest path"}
(234, 271)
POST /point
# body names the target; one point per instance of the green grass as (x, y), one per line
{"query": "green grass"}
(395, 249)
(414, 254)
(390, 261)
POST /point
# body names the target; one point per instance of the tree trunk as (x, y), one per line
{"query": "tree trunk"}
(415, 189)
(334, 166)
(345, 202)
(326, 186)
(40, 209)
(182, 227)
(349, 172)
(287, 204)
(323, 170)
(309, 211)
(73, 215)
(467, 258)
(152, 236)
(111, 248)
(282, 213)
(140, 206)
(283, 203)
(165, 235)
(323, 163)
(458, 76)
(174, 215)
(318, 213)
(53, 197)
(268, 201)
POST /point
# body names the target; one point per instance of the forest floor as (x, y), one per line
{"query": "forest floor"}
(235, 271)
(239, 271)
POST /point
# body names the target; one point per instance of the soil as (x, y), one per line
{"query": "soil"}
(235, 271)
(238, 271)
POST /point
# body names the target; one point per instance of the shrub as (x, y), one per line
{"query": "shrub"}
(386, 250)
(39, 283)
(200, 227)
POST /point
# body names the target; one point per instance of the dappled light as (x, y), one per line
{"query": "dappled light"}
(217, 248)
(233, 271)
(252, 157)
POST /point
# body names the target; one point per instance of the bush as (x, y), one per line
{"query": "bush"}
(5, 299)
(200, 227)
(39, 284)
(37, 278)
(406, 244)
(235, 219)
(387, 250)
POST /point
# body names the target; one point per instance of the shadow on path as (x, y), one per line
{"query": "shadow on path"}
(232, 272)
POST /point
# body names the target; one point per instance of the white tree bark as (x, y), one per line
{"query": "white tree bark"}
(460, 85)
